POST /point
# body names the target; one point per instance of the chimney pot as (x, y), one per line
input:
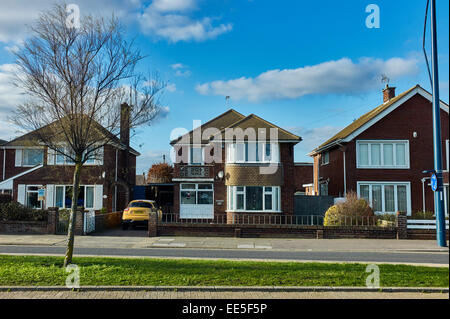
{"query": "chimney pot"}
(388, 93)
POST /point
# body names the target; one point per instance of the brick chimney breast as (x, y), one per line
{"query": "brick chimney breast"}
(125, 124)
(388, 93)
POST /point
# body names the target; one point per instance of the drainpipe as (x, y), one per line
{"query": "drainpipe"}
(115, 184)
(345, 176)
(423, 193)
(4, 163)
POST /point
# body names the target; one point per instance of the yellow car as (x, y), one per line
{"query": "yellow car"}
(137, 213)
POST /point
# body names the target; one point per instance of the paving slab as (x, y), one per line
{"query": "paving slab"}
(139, 239)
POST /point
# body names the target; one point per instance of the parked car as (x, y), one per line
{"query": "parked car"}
(137, 213)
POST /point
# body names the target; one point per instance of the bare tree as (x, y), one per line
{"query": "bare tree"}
(76, 79)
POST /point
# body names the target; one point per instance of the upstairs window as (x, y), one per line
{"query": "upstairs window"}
(196, 155)
(325, 158)
(29, 157)
(253, 152)
(382, 154)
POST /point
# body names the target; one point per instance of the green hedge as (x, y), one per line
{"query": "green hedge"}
(13, 211)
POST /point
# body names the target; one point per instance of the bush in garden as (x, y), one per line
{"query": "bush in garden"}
(352, 211)
(5, 198)
(13, 211)
(423, 215)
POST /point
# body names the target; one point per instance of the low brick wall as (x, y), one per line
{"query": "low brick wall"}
(423, 234)
(273, 231)
(107, 220)
(29, 227)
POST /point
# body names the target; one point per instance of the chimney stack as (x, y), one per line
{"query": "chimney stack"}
(388, 93)
(125, 124)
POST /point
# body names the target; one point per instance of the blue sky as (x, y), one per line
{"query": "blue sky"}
(308, 66)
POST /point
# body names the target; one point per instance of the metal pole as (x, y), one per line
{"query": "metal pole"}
(437, 142)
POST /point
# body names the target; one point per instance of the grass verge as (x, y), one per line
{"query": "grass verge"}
(105, 271)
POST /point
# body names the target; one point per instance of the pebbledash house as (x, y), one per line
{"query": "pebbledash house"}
(234, 164)
(30, 170)
(382, 155)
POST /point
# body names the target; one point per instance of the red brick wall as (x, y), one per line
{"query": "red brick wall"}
(303, 174)
(415, 115)
(220, 190)
(288, 188)
(57, 174)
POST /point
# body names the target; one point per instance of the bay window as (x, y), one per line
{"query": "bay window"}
(382, 154)
(63, 196)
(386, 197)
(254, 198)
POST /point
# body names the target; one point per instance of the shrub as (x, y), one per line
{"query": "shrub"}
(5, 198)
(353, 211)
(423, 215)
(13, 211)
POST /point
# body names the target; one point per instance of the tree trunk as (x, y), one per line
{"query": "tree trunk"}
(73, 212)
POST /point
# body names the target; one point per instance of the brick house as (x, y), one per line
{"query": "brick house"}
(106, 180)
(382, 154)
(216, 172)
(303, 177)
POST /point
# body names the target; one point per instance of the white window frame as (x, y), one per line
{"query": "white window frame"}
(64, 194)
(324, 160)
(383, 203)
(22, 163)
(26, 196)
(274, 157)
(67, 162)
(196, 190)
(447, 154)
(382, 143)
(190, 158)
(232, 193)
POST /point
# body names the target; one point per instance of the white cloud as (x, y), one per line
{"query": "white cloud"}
(150, 157)
(171, 20)
(10, 97)
(313, 137)
(16, 16)
(168, 19)
(171, 87)
(177, 66)
(181, 70)
(333, 77)
(173, 5)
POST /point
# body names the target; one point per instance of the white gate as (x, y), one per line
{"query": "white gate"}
(89, 222)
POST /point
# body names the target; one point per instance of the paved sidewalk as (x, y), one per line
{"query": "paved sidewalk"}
(138, 239)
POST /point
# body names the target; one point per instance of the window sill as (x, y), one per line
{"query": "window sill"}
(255, 211)
(382, 167)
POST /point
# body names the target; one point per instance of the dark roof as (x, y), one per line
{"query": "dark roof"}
(3, 142)
(234, 119)
(355, 125)
(254, 121)
(31, 138)
(223, 120)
